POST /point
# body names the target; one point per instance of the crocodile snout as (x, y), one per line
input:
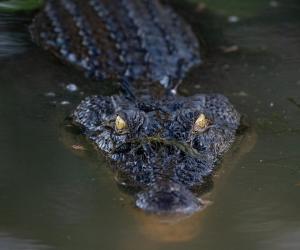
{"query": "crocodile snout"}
(168, 198)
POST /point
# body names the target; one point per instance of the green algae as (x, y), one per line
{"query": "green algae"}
(19, 5)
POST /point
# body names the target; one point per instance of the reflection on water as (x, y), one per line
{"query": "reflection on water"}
(169, 229)
(53, 196)
(13, 41)
(7, 242)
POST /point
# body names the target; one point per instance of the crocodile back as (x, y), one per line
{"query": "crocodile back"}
(114, 39)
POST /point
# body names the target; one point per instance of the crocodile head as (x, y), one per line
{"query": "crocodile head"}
(166, 147)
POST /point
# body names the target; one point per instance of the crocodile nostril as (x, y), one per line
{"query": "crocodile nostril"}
(165, 201)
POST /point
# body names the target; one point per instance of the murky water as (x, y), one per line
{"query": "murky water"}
(55, 196)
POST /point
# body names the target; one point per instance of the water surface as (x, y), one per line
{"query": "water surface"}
(53, 196)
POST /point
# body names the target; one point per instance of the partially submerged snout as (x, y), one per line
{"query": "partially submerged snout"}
(164, 146)
(168, 198)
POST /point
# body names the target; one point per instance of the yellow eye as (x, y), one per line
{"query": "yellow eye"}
(201, 123)
(120, 124)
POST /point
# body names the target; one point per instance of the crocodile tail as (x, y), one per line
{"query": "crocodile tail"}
(115, 39)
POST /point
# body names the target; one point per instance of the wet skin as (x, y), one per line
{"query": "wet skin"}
(166, 146)
(163, 144)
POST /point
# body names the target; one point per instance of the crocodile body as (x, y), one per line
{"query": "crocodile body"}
(117, 38)
(161, 143)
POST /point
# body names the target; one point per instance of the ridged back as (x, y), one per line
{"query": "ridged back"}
(113, 39)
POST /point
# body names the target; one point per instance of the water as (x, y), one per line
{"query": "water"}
(55, 195)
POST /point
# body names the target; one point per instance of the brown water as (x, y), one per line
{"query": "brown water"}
(55, 197)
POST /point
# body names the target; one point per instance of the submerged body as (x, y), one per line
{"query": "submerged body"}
(164, 144)
(118, 38)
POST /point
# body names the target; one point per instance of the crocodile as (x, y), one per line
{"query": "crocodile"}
(164, 145)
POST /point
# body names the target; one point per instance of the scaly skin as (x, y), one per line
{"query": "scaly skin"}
(159, 151)
(164, 144)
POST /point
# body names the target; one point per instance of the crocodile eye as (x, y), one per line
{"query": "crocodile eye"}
(120, 124)
(201, 124)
